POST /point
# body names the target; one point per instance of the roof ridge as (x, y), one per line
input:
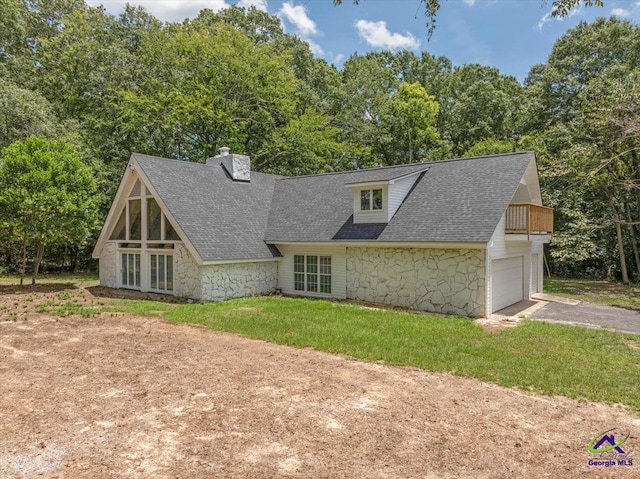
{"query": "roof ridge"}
(426, 164)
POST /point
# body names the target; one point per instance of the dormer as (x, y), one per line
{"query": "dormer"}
(377, 201)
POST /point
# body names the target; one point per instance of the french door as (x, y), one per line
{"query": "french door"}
(130, 270)
(161, 272)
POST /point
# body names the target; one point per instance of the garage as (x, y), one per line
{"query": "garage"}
(507, 282)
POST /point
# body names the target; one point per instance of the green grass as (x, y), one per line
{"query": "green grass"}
(50, 278)
(538, 357)
(602, 292)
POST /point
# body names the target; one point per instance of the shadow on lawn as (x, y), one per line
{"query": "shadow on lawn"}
(6, 289)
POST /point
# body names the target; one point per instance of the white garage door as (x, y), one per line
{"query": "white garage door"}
(506, 282)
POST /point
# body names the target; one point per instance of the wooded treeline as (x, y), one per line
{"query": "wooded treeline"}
(109, 85)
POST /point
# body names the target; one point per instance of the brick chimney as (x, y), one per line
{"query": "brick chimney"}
(238, 166)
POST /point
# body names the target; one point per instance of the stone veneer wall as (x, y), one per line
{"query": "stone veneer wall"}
(187, 278)
(438, 280)
(108, 265)
(235, 280)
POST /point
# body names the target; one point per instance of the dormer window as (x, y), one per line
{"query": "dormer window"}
(371, 199)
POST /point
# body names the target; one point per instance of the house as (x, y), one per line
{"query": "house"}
(460, 236)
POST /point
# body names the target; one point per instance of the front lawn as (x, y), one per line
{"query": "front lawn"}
(540, 357)
(602, 292)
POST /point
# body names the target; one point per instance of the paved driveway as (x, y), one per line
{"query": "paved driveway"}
(591, 315)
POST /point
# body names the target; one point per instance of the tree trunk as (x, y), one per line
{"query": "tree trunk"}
(36, 264)
(23, 267)
(623, 261)
(634, 242)
(636, 175)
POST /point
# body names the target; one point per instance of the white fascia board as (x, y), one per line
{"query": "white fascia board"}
(368, 184)
(387, 244)
(234, 261)
(115, 208)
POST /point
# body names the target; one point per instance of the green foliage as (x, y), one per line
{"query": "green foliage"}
(489, 146)
(46, 194)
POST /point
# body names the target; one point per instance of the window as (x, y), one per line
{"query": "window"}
(130, 270)
(371, 199)
(312, 273)
(154, 220)
(135, 219)
(161, 272)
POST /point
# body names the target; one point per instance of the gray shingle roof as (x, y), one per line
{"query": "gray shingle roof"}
(224, 219)
(454, 201)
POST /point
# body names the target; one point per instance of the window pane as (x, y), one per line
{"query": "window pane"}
(137, 266)
(312, 264)
(377, 199)
(169, 273)
(120, 231)
(161, 272)
(364, 199)
(298, 282)
(298, 264)
(135, 220)
(169, 233)
(131, 269)
(124, 269)
(325, 284)
(154, 219)
(154, 271)
(312, 282)
(325, 264)
(136, 189)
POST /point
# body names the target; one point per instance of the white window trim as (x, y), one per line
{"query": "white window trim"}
(173, 272)
(318, 274)
(371, 208)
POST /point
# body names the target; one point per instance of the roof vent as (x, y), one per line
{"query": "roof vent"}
(238, 166)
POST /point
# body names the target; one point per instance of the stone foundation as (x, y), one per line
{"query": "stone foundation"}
(108, 266)
(237, 280)
(187, 278)
(437, 280)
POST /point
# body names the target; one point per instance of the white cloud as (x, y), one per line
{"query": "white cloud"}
(620, 12)
(298, 17)
(164, 10)
(377, 34)
(577, 10)
(314, 47)
(543, 20)
(259, 4)
(470, 2)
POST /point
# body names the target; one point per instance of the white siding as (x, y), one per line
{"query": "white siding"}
(499, 248)
(338, 268)
(398, 192)
(370, 216)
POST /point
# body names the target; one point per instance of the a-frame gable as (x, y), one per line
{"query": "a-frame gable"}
(133, 174)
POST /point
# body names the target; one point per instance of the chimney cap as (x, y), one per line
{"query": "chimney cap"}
(224, 150)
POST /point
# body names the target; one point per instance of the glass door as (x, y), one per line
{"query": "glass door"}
(161, 272)
(130, 269)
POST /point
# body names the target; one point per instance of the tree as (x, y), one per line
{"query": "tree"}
(23, 113)
(46, 196)
(415, 113)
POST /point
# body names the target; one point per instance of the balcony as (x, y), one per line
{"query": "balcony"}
(528, 219)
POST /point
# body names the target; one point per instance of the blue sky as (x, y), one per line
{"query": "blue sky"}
(512, 35)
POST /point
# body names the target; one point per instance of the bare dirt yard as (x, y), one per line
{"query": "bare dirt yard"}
(126, 396)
